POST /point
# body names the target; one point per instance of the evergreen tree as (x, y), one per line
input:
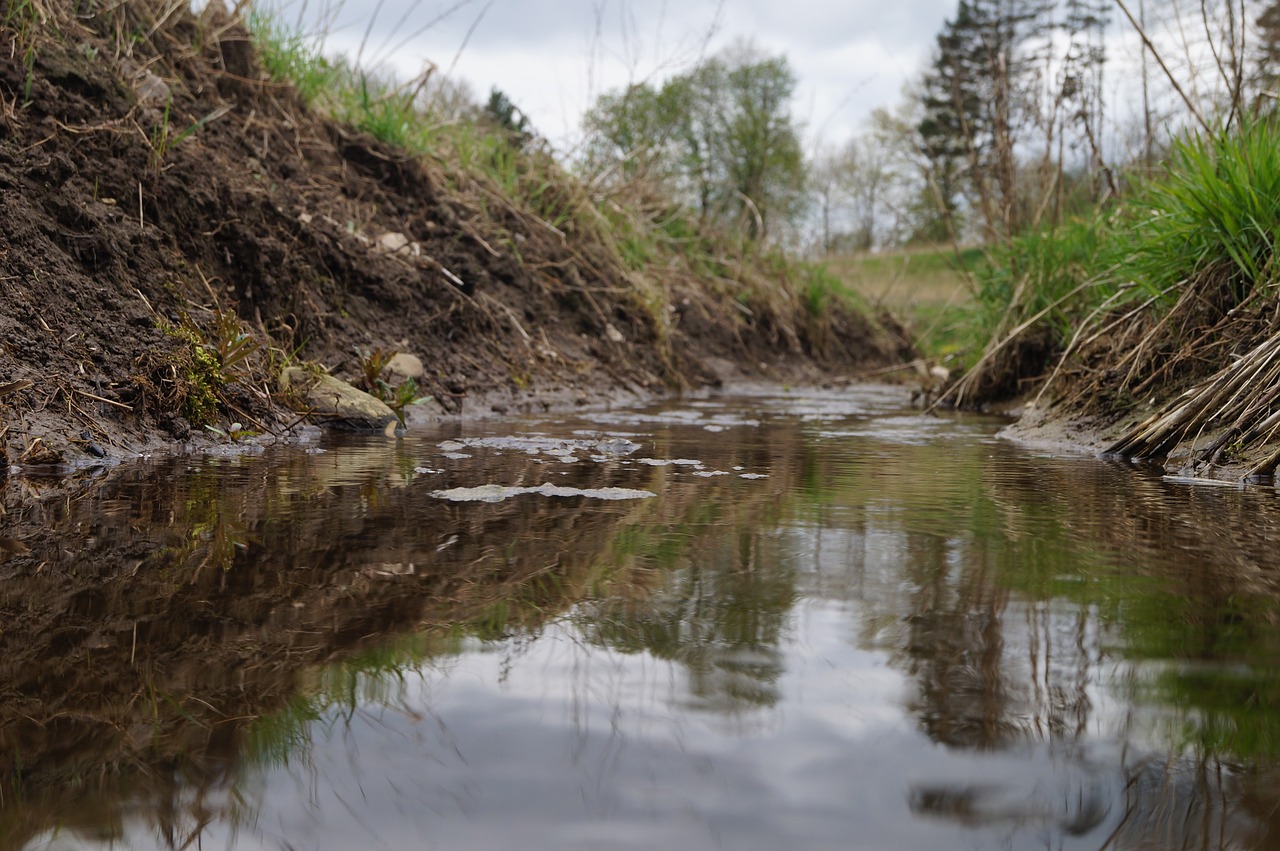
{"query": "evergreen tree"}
(974, 96)
(1267, 52)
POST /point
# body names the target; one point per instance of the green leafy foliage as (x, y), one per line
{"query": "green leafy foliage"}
(720, 136)
(373, 365)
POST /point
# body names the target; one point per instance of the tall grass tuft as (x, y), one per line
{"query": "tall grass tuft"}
(25, 20)
(1217, 206)
(1053, 274)
(1205, 230)
(288, 54)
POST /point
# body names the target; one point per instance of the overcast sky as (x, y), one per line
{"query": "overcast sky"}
(849, 55)
(553, 57)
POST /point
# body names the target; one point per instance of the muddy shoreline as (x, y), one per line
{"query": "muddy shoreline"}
(1057, 431)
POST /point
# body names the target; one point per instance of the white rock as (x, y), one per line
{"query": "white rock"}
(404, 366)
(398, 243)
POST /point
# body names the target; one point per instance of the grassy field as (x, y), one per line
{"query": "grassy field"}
(927, 288)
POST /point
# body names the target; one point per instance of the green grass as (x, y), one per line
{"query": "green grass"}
(376, 105)
(1041, 273)
(926, 288)
(391, 111)
(24, 19)
(1218, 206)
(289, 55)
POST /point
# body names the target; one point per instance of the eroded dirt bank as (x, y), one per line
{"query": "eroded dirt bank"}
(175, 228)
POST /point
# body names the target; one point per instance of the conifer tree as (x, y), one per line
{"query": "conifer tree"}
(1268, 50)
(974, 96)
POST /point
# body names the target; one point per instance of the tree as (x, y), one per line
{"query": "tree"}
(721, 135)
(851, 185)
(1267, 51)
(508, 117)
(762, 153)
(1080, 88)
(629, 133)
(975, 96)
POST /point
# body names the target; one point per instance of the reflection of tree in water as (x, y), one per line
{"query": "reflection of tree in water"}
(954, 649)
(988, 673)
(1192, 802)
(1010, 616)
(162, 621)
(722, 617)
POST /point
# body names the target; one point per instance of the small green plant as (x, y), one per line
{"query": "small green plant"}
(163, 140)
(215, 357)
(232, 344)
(373, 364)
(236, 432)
(402, 396)
(200, 399)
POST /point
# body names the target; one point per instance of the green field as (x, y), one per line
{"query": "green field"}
(928, 289)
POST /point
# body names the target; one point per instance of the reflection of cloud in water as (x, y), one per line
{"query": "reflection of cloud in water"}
(559, 448)
(582, 750)
(719, 422)
(909, 430)
(888, 646)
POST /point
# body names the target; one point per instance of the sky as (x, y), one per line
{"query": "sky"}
(552, 57)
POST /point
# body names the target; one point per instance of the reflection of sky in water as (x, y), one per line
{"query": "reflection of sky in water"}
(570, 747)
(907, 641)
(912, 430)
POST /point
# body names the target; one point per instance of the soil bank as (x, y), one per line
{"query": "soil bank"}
(175, 228)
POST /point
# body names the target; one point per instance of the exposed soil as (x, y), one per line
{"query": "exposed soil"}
(125, 241)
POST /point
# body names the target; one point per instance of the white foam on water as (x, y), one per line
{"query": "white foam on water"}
(500, 493)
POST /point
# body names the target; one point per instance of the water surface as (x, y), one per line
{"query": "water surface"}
(788, 619)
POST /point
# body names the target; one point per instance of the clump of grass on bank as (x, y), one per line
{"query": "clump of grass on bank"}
(1184, 249)
(1217, 208)
(1174, 283)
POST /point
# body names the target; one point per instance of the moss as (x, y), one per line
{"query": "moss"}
(200, 405)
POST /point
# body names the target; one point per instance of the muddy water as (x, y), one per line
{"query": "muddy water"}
(786, 620)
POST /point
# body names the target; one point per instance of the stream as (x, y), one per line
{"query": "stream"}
(807, 619)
